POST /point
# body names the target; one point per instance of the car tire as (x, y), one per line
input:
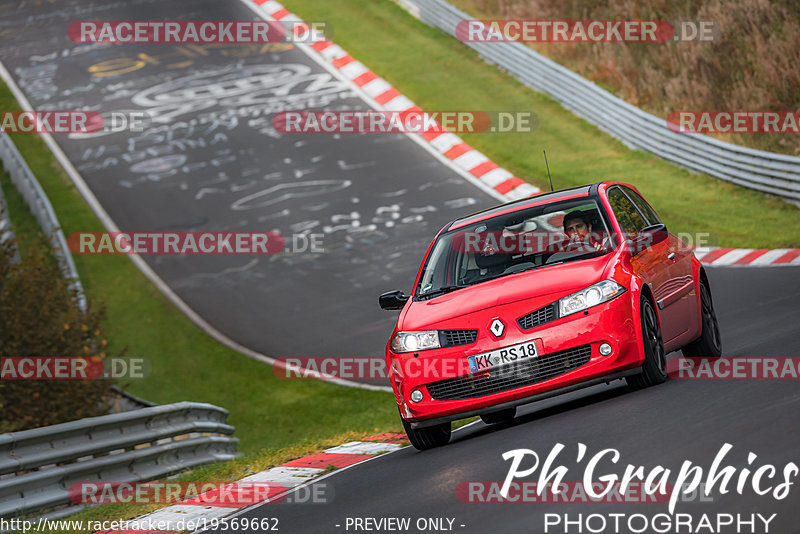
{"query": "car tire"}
(427, 437)
(498, 418)
(654, 368)
(709, 344)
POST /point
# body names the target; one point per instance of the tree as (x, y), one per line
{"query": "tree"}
(40, 316)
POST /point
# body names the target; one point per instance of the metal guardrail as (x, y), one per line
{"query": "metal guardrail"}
(38, 467)
(122, 401)
(768, 172)
(6, 230)
(41, 208)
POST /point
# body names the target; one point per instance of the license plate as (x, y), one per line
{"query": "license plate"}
(500, 357)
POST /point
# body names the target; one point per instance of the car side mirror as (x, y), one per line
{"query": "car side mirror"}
(393, 300)
(649, 236)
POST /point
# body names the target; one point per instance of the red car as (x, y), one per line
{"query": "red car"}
(539, 297)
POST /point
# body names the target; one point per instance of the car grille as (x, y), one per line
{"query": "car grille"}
(540, 316)
(526, 372)
(451, 338)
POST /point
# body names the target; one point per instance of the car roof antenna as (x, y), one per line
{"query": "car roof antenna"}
(548, 169)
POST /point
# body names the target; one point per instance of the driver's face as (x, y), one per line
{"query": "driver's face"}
(576, 229)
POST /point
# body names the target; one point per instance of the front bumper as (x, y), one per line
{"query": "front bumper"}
(612, 322)
(526, 400)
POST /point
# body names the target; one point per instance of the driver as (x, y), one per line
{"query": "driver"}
(578, 227)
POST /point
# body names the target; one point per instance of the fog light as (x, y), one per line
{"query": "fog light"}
(416, 395)
(605, 349)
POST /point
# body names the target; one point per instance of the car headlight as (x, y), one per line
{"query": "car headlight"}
(591, 296)
(413, 341)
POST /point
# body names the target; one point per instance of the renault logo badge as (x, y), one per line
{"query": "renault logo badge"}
(497, 328)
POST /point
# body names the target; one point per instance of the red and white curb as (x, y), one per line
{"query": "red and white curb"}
(747, 257)
(278, 480)
(388, 98)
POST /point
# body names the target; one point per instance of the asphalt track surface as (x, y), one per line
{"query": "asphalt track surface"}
(664, 425)
(211, 160)
(215, 154)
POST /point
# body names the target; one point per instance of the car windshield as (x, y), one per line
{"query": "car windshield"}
(514, 242)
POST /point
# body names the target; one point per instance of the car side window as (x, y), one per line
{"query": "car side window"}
(644, 207)
(628, 216)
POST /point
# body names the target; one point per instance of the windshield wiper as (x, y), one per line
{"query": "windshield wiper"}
(583, 256)
(440, 291)
(565, 260)
(501, 275)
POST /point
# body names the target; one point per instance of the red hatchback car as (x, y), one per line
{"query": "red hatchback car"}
(539, 297)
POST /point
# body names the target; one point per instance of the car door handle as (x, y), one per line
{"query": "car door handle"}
(671, 256)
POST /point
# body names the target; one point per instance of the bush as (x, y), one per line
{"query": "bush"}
(40, 316)
(751, 65)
